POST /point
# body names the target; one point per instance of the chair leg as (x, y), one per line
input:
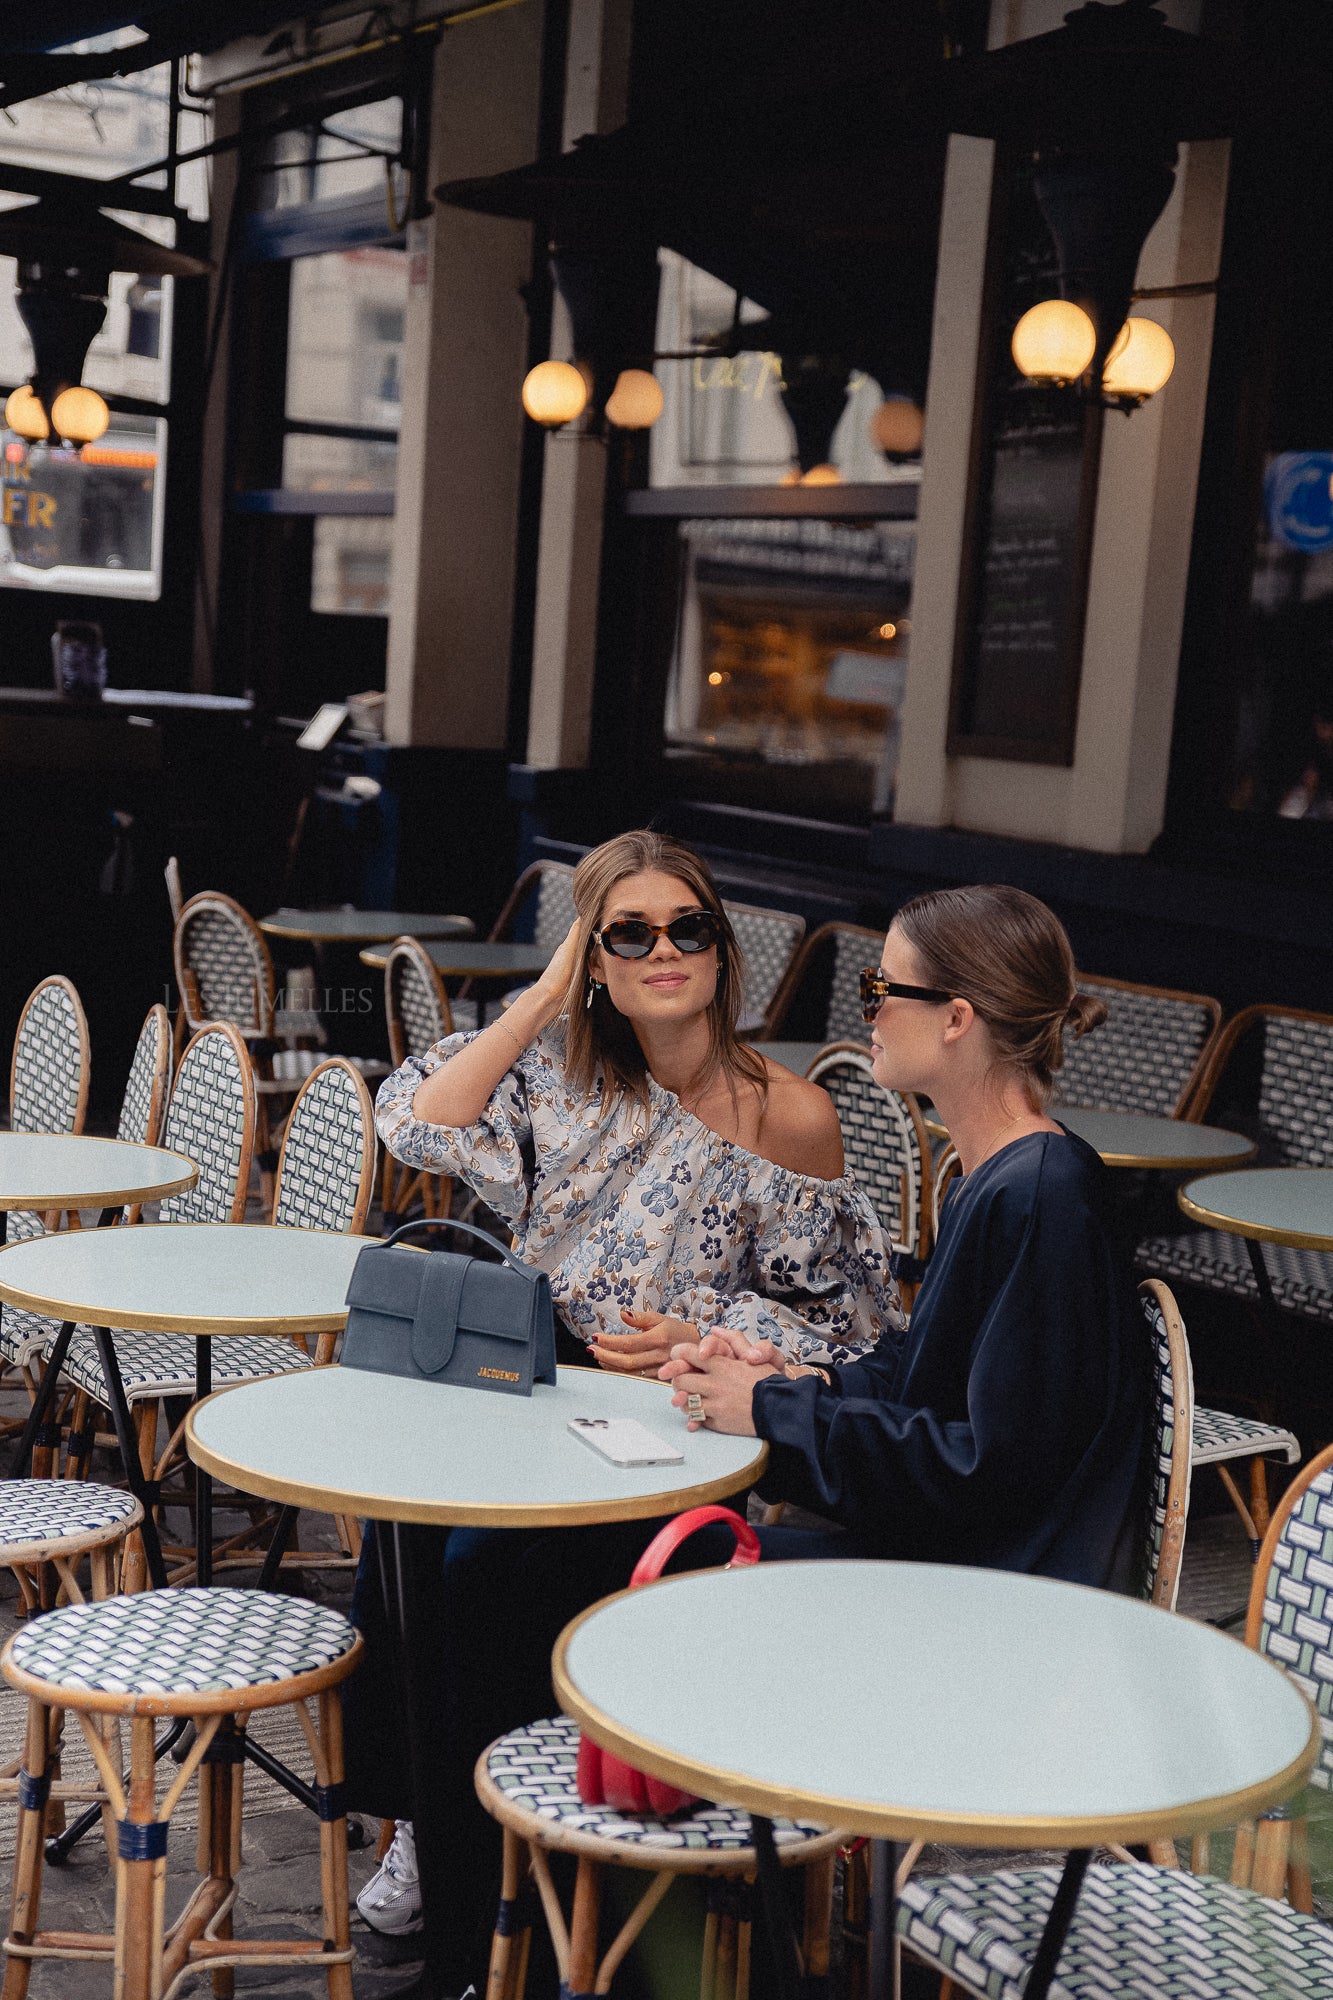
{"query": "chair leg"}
(818, 1919)
(1247, 1520)
(134, 1573)
(216, 1804)
(26, 1897)
(583, 1928)
(509, 1946)
(140, 1885)
(1300, 1888)
(333, 1843)
(1259, 1496)
(1272, 1845)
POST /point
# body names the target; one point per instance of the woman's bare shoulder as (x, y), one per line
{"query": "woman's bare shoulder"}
(800, 1125)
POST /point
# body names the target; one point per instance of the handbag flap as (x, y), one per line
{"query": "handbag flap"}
(388, 1281)
(497, 1302)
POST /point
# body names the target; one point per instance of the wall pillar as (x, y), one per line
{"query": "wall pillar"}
(460, 444)
(1113, 797)
(569, 556)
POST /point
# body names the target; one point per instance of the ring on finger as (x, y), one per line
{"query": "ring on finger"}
(694, 1404)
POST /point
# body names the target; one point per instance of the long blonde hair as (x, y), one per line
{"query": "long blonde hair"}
(599, 1036)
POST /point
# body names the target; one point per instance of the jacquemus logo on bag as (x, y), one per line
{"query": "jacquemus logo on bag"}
(501, 1374)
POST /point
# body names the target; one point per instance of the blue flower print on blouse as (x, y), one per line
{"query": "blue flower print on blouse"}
(646, 1207)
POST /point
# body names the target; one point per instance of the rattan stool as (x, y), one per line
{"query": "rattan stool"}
(48, 1521)
(211, 1655)
(526, 1780)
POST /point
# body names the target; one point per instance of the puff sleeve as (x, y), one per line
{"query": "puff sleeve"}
(495, 1156)
(823, 1290)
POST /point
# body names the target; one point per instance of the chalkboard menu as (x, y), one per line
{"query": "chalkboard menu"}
(1030, 518)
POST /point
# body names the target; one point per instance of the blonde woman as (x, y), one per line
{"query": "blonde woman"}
(665, 1176)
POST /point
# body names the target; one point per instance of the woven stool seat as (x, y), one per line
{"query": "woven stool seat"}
(1150, 1931)
(37, 1512)
(162, 1364)
(247, 1646)
(24, 1334)
(531, 1773)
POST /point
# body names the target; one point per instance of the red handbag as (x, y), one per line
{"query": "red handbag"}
(604, 1780)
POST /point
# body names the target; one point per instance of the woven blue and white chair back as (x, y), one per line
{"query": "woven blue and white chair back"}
(1173, 1428)
(223, 968)
(853, 950)
(1296, 1090)
(327, 1168)
(768, 940)
(1146, 1054)
(416, 1006)
(145, 1101)
(555, 910)
(1291, 1598)
(48, 1078)
(211, 1119)
(946, 1168)
(883, 1140)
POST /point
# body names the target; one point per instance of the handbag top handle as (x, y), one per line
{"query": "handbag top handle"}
(469, 1229)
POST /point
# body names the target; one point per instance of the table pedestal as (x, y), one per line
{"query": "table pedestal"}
(411, 1560)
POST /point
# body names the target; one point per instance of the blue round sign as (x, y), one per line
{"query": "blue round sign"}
(1298, 499)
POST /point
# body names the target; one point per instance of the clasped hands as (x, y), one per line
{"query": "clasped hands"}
(721, 1369)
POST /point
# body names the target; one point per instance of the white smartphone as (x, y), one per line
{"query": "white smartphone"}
(624, 1441)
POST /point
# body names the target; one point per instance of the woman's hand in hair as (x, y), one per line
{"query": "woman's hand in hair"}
(654, 1339)
(554, 982)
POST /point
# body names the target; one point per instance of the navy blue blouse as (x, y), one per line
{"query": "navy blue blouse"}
(1010, 1425)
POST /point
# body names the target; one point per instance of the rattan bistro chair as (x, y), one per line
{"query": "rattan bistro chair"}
(886, 1147)
(213, 1656)
(417, 1014)
(24, 1334)
(1162, 1930)
(768, 940)
(1148, 1054)
(326, 1174)
(823, 983)
(546, 890)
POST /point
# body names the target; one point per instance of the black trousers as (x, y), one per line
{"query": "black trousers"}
(504, 1596)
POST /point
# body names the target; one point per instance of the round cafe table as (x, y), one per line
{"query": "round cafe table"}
(361, 927)
(475, 961)
(418, 1457)
(44, 1170)
(1287, 1205)
(940, 1703)
(191, 1278)
(1134, 1139)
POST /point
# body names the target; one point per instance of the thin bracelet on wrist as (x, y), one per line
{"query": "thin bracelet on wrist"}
(501, 1022)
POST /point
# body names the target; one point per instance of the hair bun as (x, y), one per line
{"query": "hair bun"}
(1084, 1013)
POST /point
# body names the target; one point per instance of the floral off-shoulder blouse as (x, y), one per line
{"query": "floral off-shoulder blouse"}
(652, 1210)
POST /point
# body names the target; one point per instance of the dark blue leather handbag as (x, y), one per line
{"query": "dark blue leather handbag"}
(450, 1318)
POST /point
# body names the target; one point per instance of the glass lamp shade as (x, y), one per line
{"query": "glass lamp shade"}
(80, 415)
(1054, 341)
(636, 402)
(554, 393)
(822, 475)
(898, 427)
(1140, 361)
(24, 414)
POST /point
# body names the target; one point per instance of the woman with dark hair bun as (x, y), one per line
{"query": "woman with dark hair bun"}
(1008, 1427)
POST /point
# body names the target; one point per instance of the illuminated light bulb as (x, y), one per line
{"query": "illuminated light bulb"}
(822, 475)
(25, 415)
(715, 680)
(636, 402)
(554, 393)
(898, 427)
(888, 631)
(80, 415)
(1054, 341)
(1140, 362)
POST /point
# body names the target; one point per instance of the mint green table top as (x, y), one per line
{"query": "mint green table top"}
(44, 1170)
(362, 926)
(475, 961)
(1292, 1205)
(1133, 1139)
(186, 1277)
(342, 1440)
(915, 1700)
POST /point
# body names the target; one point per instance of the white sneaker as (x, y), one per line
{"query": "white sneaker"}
(391, 1899)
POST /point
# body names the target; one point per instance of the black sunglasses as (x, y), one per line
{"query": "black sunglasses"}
(630, 937)
(876, 989)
